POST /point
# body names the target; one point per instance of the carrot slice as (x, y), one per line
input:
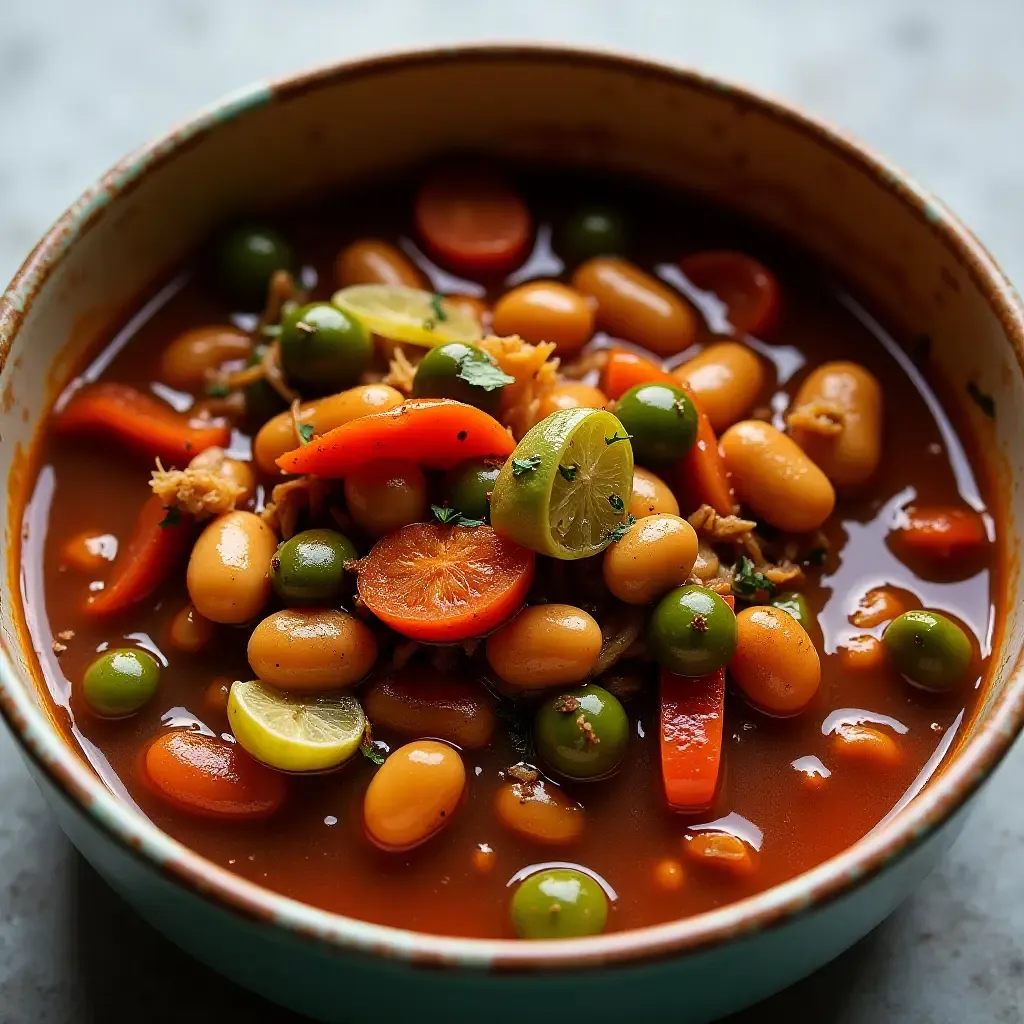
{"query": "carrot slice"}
(435, 433)
(748, 289)
(942, 532)
(626, 369)
(442, 584)
(139, 422)
(701, 476)
(471, 220)
(147, 560)
(692, 715)
(211, 778)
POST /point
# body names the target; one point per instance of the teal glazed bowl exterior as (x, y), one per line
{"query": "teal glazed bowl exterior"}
(901, 251)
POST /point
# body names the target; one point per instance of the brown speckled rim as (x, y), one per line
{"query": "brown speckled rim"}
(969, 767)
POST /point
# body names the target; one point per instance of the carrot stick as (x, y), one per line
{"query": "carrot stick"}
(139, 422)
(149, 558)
(692, 714)
(435, 433)
(701, 476)
(626, 369)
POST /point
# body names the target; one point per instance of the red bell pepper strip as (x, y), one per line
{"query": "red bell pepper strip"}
(435, 433)
(692, 715)
(941, 532)
(626, 369)
(148, 559)
(701, 476)
(139, 422)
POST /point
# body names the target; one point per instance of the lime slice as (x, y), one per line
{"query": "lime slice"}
(567, 485)
(295, 732)
(407, 314)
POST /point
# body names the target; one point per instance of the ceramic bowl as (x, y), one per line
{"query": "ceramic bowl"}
(900, 249)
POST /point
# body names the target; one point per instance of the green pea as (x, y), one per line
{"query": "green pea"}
(559, 903)
(931, 651)
(247, 258)
(692, 631)
(793, 602)
(661, 420)
(324, 348)
(262, 401)
(467, 486)
(309, 568)
(594, 231)
(120, 681)
(582, 732)
(463, 372)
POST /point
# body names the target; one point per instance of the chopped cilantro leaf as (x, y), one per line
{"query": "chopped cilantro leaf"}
(218, 390)
(984, 401)
(748, 582)
(616, 503)
(445, 515)
(306, 432)
(618, 437)
(483, 373)
(620, 531)
(439, 312)
(371, 751)
(453, 517)
(172, 518)
(527, 465)
(569, 472)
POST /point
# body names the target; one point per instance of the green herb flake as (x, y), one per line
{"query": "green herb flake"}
(306, 432)
(568, 472)
(482, 373)
(218, 390)
(527, 465)
(618, 437)
(518, 722)
(371, 751)
(439, 311)
(270, 331)
(984, 401)
(616, 503)
(620, 531)
(445, 515)
(748, 582)
(172, 518)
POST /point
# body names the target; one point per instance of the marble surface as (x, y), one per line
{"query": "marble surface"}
(938, 88)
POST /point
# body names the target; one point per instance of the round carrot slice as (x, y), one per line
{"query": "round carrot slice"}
(748, 289)
(442, 584)
(210, 777)
(471, 220)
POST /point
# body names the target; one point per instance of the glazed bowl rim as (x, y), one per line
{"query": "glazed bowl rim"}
(139, 837)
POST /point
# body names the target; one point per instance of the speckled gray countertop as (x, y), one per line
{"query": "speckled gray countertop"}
(938, 86)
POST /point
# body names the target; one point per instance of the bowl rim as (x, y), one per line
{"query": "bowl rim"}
(140, 837)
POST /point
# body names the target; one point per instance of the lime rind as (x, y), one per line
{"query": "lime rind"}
(408, 315)
(295, 732)
(568, 504)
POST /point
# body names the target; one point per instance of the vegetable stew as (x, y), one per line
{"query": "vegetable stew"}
(508, 552)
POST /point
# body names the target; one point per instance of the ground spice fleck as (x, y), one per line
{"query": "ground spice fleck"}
(700, 623)
(567, 704)
(588, 731)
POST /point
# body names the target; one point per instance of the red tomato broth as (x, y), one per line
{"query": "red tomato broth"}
(315, 849)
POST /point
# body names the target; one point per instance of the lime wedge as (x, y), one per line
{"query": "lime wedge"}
(407, 314)
(567, 485)
(295, 732)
